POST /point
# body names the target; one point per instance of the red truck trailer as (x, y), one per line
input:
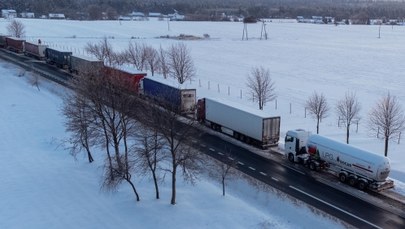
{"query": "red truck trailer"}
(15, 44)
(35, 50)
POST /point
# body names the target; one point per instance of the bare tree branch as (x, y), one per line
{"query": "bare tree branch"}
(224, 170)
(135, 55)
(261, 86)
(151, 56)
(163, 62)
(102, 51)
(348, 109)
(388, 117)
(181, 66)
(16, 28)
(317, 107)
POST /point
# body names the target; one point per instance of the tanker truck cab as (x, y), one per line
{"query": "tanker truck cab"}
(298, 150)
(294, 144)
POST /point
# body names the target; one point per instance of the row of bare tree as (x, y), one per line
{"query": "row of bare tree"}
(135, 136)
(174, 62)
(386, 116)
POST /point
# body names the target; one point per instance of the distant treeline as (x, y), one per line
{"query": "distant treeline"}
(214, 9)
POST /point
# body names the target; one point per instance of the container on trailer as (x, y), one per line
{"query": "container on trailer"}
(35, 50)
(128, 77)
(81, 64)
(242, 122)
(175, 98)
(15, 44)
(3, 41)
(59, 58)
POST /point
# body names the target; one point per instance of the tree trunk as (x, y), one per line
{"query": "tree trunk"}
(317, 126)
(347, 133)
(223, 186)
(134, 189)
(89, 156)
(107, 145)
(173, 200)
(156, 185)
(386, 145)
(86, 146)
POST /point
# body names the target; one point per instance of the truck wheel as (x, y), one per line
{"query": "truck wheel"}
(342, 177)
(312, 166)
(291, 157)
(362, 185)
(352, 181)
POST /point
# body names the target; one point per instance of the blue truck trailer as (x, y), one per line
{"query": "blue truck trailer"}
(60, 58)
(175, 98)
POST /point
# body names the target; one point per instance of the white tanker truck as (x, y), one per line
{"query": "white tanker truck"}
(352, 165)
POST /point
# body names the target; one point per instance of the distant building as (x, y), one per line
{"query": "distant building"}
(137, 16)
(317, 19)
(155, 14)
(176, 16)
(56, 16)
(8, 14)
(27, 15)
(124, 18)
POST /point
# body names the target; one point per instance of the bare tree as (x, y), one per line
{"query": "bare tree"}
(152, 60)
(16, 28)
(261, 86)
(224, 170)
(388, 117)
(176, 135)
(181, 66)
(34, 81)
(163, 64)
(78, 122)
(150, 154)
(135, 55)
(317, 107)
(348, 109)
(102, 51)
(110, 112)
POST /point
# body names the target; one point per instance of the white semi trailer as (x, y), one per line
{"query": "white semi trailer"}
(249, 125)
(356, 166)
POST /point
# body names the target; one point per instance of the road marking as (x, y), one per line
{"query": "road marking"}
(333, 206)
(202, 145)
(230, 158)
(273, 178)
(240, 163)
(264, 174)
(220, 153)
(296, 170)
(194, 141)
(211, 149)
(251, 168)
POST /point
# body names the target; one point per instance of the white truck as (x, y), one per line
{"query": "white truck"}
(355, 166)
(244, 123)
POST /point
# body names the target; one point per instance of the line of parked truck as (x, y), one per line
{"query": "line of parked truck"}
(352, 165)
(261, 130)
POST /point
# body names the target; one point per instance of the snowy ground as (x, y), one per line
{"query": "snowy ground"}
(301, 58)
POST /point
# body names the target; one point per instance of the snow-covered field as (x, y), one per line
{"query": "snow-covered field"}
(43, 185)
